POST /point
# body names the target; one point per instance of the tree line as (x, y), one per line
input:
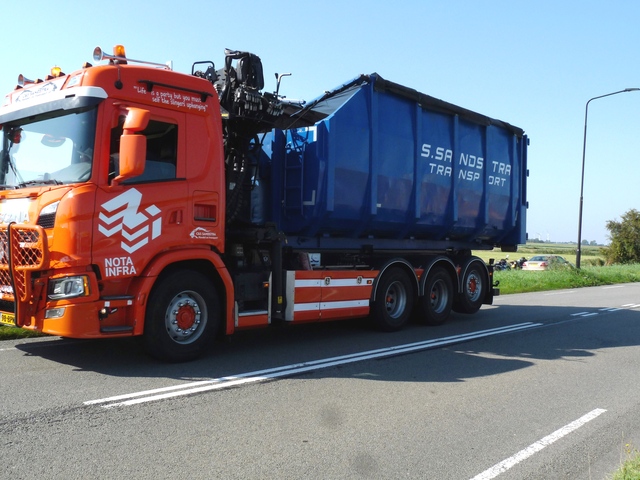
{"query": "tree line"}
(625, 239)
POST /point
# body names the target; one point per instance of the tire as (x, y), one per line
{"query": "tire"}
(474, 285)
(183, 314)
(437, 301)
(395, 300)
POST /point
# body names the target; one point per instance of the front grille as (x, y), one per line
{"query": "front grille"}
(28, 254)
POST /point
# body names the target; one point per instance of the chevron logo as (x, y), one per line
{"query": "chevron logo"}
(122, 215)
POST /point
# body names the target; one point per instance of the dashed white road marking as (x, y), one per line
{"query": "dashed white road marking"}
(537, 446)
(631, 305)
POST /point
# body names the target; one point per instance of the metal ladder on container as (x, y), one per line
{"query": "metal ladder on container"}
(293, 179)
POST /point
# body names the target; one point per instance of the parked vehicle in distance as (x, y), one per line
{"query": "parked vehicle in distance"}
(544, 262)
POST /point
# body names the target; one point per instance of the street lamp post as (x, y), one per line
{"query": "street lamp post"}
(584, 149)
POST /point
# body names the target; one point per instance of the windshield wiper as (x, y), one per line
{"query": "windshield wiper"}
(50, 181)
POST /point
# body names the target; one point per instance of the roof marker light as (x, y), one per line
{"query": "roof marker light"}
(118, 51)
(119, 54)
(56, 72)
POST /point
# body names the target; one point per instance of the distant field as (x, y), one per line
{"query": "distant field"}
(591, 256)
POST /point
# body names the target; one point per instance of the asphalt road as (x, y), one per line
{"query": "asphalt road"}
(538, 386)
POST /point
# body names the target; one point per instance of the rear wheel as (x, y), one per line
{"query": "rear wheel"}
(435, 304)
(182, 316)
(394, 302)
(474, 285)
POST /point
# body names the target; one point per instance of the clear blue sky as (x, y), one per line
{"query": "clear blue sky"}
(532, 64)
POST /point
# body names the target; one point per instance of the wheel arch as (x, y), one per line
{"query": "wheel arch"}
(395, 262)
(466, 266)
(203, 261)
(436, 262)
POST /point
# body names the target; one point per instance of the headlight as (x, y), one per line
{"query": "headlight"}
(68, 287)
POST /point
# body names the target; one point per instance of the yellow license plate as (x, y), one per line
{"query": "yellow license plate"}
(8, 319)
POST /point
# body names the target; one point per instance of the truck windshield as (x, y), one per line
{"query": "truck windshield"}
(48, 149)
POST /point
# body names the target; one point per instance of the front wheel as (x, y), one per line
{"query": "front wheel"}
(183, 314)
(474, 286)
(395, 299)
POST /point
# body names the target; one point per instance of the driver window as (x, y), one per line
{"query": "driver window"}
(162, 147)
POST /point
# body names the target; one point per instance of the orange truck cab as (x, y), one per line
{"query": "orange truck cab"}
(98, 200)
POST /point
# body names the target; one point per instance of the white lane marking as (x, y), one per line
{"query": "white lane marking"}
(559, 292)
(606, 309)
(537, 446)
(294, 369)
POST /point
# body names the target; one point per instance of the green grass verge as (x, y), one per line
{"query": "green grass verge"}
(10, 333)
(630, 468)
(520, 281)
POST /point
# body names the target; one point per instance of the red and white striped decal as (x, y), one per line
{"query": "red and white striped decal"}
(325, 295)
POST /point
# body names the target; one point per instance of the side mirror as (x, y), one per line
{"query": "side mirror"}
(133, 146)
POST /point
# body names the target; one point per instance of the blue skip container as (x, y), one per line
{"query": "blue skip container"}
(377, 163)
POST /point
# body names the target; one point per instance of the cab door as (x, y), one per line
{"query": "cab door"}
(138, 217)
